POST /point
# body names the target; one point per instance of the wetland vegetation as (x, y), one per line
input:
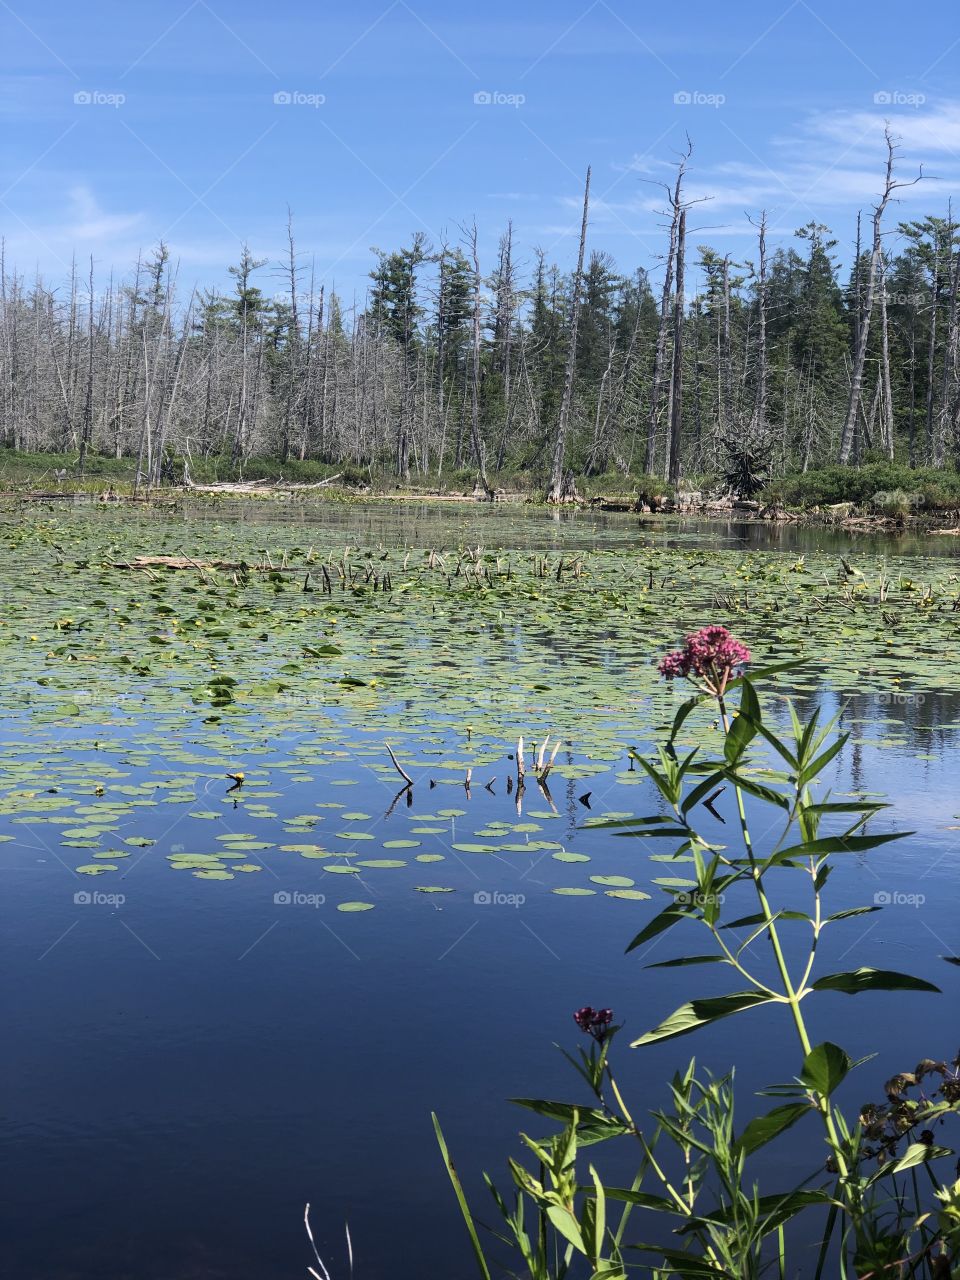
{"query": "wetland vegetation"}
(278, 747)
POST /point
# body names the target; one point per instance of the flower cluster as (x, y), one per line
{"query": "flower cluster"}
(711, 654)
(595, 1022)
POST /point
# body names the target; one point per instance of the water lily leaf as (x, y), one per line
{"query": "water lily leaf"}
(355, 906)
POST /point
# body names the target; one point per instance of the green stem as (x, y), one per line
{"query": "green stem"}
(823, 1103)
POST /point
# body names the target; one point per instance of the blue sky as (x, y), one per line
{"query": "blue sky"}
(126, 122)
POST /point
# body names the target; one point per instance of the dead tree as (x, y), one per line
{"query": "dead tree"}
(660, 355)
(676, 375)
(863, 333)
(759, 422)
(475, 437)
(558, 489)
(886, 418)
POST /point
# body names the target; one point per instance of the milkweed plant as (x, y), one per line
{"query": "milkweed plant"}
(876, 1205)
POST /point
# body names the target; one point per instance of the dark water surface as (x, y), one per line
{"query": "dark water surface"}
(182, 1071)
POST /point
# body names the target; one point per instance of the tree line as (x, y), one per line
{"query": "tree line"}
(446, 365)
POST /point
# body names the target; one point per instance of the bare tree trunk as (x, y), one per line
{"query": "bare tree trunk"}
(760, 399)
(556, 490)
(950, 414)
(676, 377)
(87, 430)
(660, 356)
(863, 334)
(886, 430)
(934, 452)
(478, 449)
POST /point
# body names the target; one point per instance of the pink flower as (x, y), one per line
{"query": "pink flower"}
(711, 654)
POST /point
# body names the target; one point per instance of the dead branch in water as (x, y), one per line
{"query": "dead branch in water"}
(185, 562)
(397, 765)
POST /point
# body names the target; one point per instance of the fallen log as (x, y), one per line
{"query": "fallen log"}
(185, 562)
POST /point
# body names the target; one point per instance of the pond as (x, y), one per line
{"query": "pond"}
(227, 998)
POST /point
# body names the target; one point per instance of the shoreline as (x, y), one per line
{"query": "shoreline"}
(841, 516)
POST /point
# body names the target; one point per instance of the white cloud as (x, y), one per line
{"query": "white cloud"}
(922, 131)
(87, 222)
(830, 165)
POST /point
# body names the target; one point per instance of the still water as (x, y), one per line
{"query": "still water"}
(187, 1063)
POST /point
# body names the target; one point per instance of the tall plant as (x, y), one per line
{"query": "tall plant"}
(692, 1189)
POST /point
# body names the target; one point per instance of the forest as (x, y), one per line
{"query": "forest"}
(517, 367)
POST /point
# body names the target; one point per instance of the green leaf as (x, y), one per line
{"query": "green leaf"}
(685, 960)
(567, 1225)
(824, 1067)
(771, 669)
(851, 911)
(762, 1129)
(564, 1112)
(683, 711)
(659, 924)
(641, 1199)
(916, 1153)
(461, 1200)
(773, 1210)
(833, 844)
(767, 794)
(817, 766)
(663, 784)
(759, 918)
(743, 729)
(866, 979)
(699, 1013)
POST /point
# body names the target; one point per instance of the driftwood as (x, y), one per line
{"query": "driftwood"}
(185, 562)
(258, 486)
